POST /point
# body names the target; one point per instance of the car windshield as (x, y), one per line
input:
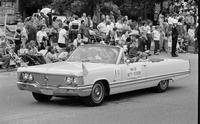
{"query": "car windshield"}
(95, 54)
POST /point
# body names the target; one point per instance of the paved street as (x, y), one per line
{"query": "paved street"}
(176, 106)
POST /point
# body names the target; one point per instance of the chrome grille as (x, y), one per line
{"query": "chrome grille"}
(49, 80)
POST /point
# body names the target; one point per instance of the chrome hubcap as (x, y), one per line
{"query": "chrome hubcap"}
(97, 93)
(163, 84)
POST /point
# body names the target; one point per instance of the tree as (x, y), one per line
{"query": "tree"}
(28, 7)
(34, 3)
(61, 5)
(97, 7)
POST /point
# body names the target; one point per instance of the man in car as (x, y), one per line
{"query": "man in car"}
(133, 51)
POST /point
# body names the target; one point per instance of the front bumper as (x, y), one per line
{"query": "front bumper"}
(55, 91)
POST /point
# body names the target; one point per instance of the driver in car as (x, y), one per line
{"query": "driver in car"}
(133, 52)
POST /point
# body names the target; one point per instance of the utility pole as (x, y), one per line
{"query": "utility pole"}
(5, 23)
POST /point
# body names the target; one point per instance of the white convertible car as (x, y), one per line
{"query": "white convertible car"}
(95, 71)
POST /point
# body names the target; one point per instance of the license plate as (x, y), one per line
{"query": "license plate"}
(47, 92)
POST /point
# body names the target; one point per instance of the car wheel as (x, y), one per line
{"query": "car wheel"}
(162, 86)
(41, 97)
(96, 96)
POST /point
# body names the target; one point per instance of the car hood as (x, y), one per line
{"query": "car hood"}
(64, 68)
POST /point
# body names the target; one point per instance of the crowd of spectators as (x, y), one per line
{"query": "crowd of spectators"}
(43, 38)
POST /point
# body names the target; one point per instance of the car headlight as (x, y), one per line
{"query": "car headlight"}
(30, 78)
(27, 77)
(69, 80)
(73, 81)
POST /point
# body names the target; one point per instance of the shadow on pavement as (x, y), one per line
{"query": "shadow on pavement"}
(116, 99)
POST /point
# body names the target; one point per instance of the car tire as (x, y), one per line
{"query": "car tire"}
(41, 97)
(162, 86)
(96, 96)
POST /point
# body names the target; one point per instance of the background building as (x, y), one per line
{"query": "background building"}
(10, 7)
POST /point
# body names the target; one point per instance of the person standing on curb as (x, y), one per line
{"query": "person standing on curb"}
(174, 38)
(17, 40)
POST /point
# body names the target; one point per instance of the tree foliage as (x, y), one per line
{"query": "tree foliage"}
(34, 3)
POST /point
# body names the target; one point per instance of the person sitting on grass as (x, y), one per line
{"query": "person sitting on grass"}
(51, 56)
(78, 41)
(63, 56)
(22, 51)
(32, 56)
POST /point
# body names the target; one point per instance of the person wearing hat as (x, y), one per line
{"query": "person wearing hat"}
(133, 51)
(174, 38)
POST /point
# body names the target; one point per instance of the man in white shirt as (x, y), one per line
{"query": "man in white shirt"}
(102, 27)
(110, 25)
(63, 37)
(42, 37)
(170, 20)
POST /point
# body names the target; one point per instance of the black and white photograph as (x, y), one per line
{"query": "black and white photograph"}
(99, 61)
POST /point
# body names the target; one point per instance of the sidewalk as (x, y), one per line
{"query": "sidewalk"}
(168, 55)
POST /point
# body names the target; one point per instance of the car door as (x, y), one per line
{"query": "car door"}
(126, 75)
(136, 70)
(120, 73)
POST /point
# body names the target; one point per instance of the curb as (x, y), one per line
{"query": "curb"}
(8, 70)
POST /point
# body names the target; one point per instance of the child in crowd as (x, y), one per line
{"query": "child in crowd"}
(42, 38)
(169, 41)
(22, 50)
(162, 40)
(180, 45)
(32, 50)
(78, 41)
(156, 38)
